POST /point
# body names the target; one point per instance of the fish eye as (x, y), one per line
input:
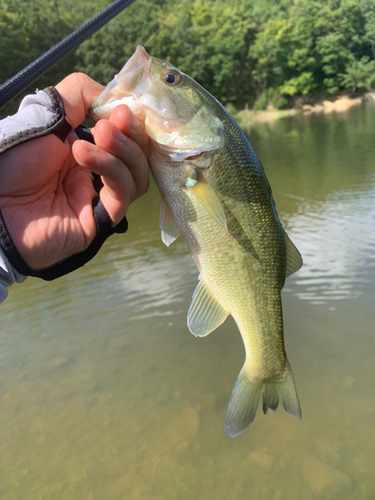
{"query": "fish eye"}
(172, 78)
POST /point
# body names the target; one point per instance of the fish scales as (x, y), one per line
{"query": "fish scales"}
(216, 195)
(256, 278)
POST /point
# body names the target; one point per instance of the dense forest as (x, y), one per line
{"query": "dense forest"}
(244, 51)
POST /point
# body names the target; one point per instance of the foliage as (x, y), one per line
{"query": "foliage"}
(259, 52)
(105, 53)
(270, 97)
(306, 49)
(28, 29)
(210, 43)
(359, 74)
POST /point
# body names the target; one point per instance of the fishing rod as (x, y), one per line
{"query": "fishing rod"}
(26, 76)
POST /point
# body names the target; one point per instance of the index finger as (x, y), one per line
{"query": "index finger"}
(78, 91)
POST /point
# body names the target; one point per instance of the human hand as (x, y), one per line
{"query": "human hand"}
(46, 188)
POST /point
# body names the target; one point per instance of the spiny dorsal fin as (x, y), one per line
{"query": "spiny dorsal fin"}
(205, 313)
(169, 228)
(293, 257)
(209, 200)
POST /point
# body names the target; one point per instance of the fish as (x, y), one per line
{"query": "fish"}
(216, 195)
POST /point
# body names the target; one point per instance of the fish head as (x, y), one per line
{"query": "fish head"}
(179, 115)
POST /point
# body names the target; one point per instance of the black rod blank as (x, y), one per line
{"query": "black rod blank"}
(26, 76)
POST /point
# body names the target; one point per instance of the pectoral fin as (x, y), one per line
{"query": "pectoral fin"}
(205, 313)
(293, 257)
(209, 200)
(169, 228)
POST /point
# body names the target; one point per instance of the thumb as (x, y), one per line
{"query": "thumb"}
(78, 91)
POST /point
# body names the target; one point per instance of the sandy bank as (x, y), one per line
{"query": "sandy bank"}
(340, 104)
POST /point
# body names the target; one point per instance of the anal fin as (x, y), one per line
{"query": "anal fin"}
(205, 313)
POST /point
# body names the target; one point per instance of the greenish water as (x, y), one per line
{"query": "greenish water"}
(105, 395)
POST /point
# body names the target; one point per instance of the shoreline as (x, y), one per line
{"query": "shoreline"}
(340, 104)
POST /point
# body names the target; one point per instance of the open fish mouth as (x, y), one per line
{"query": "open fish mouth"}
(131, 87)
(180, 132)
(127, 87)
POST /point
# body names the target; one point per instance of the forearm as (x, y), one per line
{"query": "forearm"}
(34, 113)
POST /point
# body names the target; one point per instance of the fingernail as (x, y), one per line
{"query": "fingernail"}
(91, 148)
(135, 123)
(117, 134)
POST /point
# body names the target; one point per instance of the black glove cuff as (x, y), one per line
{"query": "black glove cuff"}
(104, 229)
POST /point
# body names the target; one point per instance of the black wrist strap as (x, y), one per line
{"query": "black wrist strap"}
(104, 230)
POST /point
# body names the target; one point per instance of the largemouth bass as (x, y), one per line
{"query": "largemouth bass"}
(216, 195)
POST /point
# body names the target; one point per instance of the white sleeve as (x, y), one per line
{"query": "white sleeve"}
(8, 276)
(39, 114)
(35, 111)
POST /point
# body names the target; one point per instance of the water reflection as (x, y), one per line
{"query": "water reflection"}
(337, 239)
(325, 189)
(104, 393)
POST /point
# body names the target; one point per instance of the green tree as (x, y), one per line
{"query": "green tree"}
(27, 30)
(254, 51)
(210, 43)
(306, 47)
(105, 53)
(359, 75)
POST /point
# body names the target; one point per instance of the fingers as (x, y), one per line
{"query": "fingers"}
(78, 91)
(118, 190)
(125, 137)
(119, 159)
(130, 125)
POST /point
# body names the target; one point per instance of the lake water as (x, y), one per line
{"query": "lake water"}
(105, 395)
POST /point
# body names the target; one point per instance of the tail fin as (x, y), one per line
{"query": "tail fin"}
(245, 397)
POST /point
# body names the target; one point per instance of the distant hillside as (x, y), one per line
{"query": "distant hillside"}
(259, 52)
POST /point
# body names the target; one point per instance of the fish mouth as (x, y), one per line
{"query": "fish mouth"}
(126, 88)
(140, 86)
(137, 60)
(132, 87)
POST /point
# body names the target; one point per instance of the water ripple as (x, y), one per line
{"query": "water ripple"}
(336, 238)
